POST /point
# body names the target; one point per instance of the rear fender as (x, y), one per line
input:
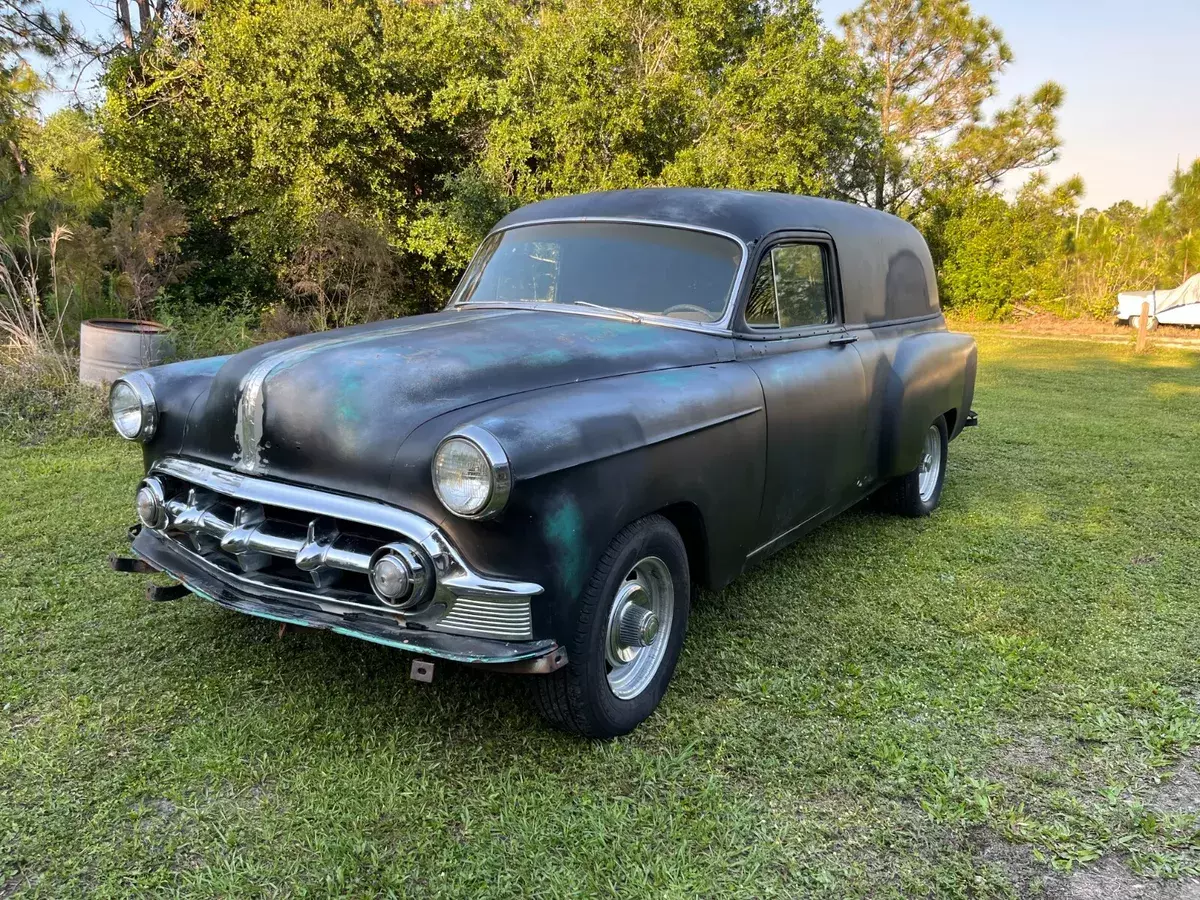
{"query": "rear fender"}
(931, 375)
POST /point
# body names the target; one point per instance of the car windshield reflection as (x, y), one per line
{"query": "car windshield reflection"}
(627, 268)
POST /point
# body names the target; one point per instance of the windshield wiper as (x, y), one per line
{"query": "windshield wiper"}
(612, 309)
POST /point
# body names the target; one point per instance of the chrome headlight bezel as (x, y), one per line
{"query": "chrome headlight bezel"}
(499, 469)
(148, 419)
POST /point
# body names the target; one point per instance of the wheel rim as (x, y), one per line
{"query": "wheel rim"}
(639, 627)
(930, 468)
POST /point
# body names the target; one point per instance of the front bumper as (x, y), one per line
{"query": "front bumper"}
(255, 599)
(301, 555)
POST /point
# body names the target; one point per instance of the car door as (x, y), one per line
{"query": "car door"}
(813, 384)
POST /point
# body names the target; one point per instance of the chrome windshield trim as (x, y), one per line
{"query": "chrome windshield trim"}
(721, 326)
(711, 328)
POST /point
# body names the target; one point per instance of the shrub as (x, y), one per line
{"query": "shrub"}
(342, 273)
(38, 401)
(143, 243)
(200, 330)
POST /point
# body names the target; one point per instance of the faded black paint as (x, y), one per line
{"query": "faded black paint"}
(761, 437)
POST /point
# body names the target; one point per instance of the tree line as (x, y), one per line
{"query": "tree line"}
(331, 163)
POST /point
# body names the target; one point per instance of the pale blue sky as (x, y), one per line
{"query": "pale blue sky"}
(1132, 76)
(1131, 72)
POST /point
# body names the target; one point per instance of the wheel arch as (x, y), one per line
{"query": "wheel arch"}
(951, 417)
(689, 522)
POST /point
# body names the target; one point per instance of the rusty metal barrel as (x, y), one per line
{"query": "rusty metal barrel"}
(108, 348)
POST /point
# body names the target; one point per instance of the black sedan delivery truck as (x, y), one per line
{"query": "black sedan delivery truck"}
(629, 395)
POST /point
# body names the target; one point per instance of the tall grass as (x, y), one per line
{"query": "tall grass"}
(32, 313)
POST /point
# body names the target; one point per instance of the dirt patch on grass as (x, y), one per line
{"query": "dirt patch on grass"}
(1110, 878)
(1181, 792)
(1029, 751)
(1100, 331)
(1016, 862)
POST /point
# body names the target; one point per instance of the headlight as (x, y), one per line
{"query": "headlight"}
(134, 413)
(471, 475)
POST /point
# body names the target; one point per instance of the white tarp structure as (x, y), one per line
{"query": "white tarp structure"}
(1178, 306)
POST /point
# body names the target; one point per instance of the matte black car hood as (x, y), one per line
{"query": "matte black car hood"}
(333, 408)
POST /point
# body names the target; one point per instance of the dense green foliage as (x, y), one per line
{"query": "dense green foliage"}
(319, 164)
(888, 709)
(1038, 250)
(994, 252)
(427, 121)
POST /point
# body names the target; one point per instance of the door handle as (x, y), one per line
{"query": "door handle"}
(843, 339)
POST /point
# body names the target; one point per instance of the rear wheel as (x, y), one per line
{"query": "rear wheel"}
(919, 492)
(632, 618)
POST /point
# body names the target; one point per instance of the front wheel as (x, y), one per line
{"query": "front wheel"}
(918, 493)
(632, 618)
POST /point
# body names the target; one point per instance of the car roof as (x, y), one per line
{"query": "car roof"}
(886, 270)
(749, 215)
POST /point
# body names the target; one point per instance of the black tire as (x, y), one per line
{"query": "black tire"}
(578, 697)
(902, 495)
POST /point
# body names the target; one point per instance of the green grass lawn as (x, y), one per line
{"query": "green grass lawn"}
(971, 705)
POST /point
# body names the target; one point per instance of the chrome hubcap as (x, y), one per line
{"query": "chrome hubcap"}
(639, 626)
(930, 467)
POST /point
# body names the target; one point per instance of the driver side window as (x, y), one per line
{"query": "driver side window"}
(791, 288)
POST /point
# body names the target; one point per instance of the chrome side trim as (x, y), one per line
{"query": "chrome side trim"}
(721, 326)
(784, 535)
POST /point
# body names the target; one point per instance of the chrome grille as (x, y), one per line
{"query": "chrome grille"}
(244, 532)
(319, 546)
(253, 537)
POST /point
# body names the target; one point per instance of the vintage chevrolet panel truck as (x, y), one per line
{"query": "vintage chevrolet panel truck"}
(630, 394)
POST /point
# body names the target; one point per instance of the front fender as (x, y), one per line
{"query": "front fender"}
(590, 458)
(177, 387)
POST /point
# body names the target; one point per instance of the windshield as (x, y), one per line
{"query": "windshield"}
(652, 269)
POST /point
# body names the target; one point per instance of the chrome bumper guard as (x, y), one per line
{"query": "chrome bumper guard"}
(252, 598)
(275, 544)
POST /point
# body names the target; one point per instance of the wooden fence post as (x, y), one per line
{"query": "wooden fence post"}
(1143, 324)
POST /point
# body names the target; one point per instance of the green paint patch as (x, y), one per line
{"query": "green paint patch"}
(351, 400)
(563, 530)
